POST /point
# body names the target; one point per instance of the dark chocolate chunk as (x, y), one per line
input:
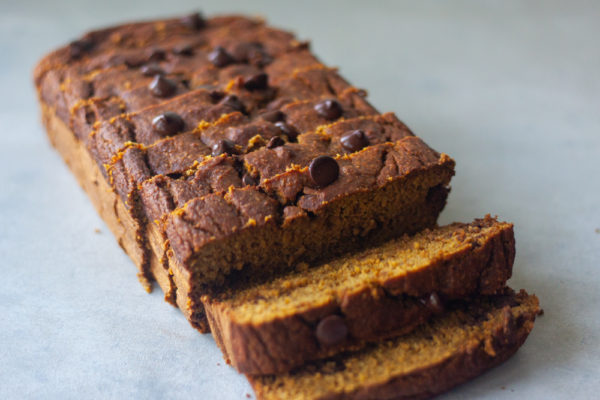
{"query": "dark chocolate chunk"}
(275, 141)
(331, 330)
(184, 50)
(248, 180)
(78, 47)
(162, 87)
(354, 141)
(329, 109)
(257, 82)
(323, 170)
(223, 146)
(273, 116)
(157, 55)
(151, 69)
(233, 102)
(193, 21)
(288, 130)
(220, 57)
(168, 124)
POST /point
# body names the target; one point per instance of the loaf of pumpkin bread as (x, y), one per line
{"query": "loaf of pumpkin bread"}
(377, 293)
(222, 146)
(454, 347)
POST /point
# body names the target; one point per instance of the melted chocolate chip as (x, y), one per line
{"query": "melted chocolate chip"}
(273, 116)
(233, 102)
(329, 109)
(216, 95)
(151, 70)
(168, 124)
(253, 53)
(323, 170)
(78, 47)
(275, 141)
(134, 61)
(162, 87)
(223, 146)
(184, 50)
(434, 303)
(257, 82)
(354, 141)
(193, 21)
(243, 51)
(157, 55)
(248, 180)
(220, 57)
(331, 330)
(288, 130)
(302, 45)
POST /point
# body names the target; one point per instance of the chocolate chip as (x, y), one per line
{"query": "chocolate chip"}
(248, 180)
(168, 123)
(302, 45)
(288, 130)
(232, 101)
(273, 116)
(257, 82)
(184, 50)
(354, 141)
(134, 61)
(434, 303)
(243, 51)
(216, 95)
(220, 57)
(223, 146)
(162, 87)
(151, 70)
(275, 141)
(193, 21)
(329, 109)
(78, 47)
(157, 55)
(323, 170)
(331, 330)
(251, 52)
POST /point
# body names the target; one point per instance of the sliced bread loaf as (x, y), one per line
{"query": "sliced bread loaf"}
(381, 292)
(454, 347)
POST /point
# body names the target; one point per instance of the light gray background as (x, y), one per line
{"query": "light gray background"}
(510, 89)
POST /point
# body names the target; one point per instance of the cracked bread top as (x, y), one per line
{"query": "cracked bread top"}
(213, 126)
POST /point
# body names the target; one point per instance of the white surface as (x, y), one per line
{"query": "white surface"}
(510, 89)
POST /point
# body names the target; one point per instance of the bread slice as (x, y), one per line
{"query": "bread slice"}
(452, 348)
(381, 292)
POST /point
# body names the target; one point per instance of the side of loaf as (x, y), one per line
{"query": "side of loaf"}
(226, 145)
(451, 349)
(377, 293)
